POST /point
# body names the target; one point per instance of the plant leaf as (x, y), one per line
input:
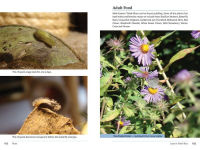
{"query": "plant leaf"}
(126, 129)
(139, 33)
(109, 101)
(107, 126)
(102, 131)
(129, 111)
(149, 129)
(111, 115)
(170, 118)
(158, 40)
(103, 39)
(38, 53)
(118, 60)
(105, 63)
(175, 99)
(118, 80)
(105, 82)
(176, 133)
(128, 68)
(181, 54)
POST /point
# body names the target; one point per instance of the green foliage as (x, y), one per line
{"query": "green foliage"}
(158, 40)
(109, 102)
(110, 115)
(126, 129)
(181, 54)
(105, 82)
(129, 110)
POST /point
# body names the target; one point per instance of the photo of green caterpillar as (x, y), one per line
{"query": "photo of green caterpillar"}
(43, 40)
(149, 83)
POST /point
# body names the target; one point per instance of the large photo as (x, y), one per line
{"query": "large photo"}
(149, 83)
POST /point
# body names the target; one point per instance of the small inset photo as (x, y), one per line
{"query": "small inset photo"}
(43, 40)
(150, 84)
(43, 105)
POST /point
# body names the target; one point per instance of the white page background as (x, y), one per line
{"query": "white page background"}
(99, 18)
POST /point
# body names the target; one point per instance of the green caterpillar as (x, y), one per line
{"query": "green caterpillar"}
(44, 37)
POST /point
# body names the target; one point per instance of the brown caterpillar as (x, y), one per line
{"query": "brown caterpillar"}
(45, 102)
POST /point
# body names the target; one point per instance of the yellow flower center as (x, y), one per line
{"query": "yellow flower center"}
(145, 48)
(121, 123)
(152, 90)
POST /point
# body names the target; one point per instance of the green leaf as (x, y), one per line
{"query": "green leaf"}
(102, 131)
(105, 82)
(105, 63)
(154, 115)
(175, 99)
(118, 60)
(126, 129)
(34, 48)
(139, 127)
(176, 107)
(136, 98)
(140, 103)
(176, 133)
(158, 40)
(116, 85)
(180, 117)
(128, 68)
(108, 126)
(118, 80)
(181, 54)
(122, 54)
(170, 118)
(149, 129)
(159, 126)
(109, 101)
(129, 111)
(103, 39)
(139, 33)
(111, 115)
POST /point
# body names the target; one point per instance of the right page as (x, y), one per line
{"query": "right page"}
(149, 73)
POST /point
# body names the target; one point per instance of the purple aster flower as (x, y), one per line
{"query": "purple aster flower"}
(144, 73)
(195, 34)
(128, 79)
(142, 50)
(183, 76)
(124, 122)
(153, 95)
(115, 44)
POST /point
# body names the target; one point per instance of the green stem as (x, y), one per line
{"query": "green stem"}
(163, 115)
(120, 118)
(191, 96)
(102, 109)
(142, 83)
(114, 59)
(122, 62)
(166, 79)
